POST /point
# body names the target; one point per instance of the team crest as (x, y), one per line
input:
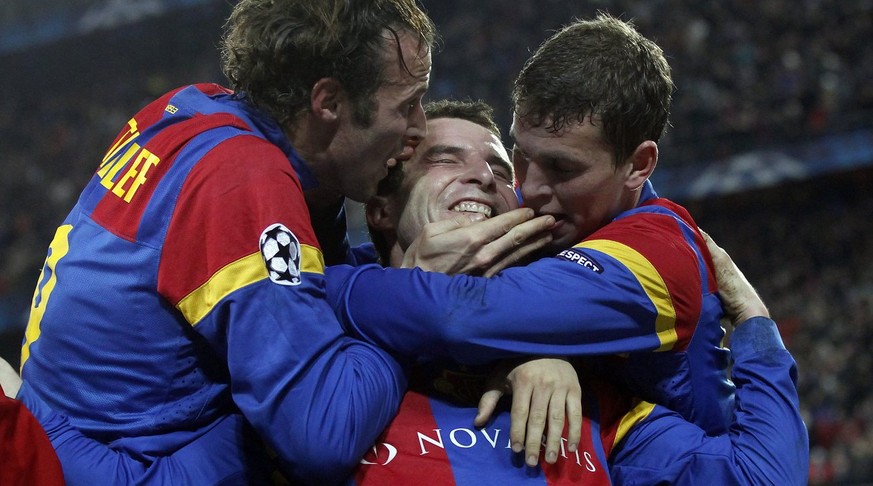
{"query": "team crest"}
(281, 252)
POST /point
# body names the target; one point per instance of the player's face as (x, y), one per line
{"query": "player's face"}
(459, 167)
(570, 175)
(397, 119)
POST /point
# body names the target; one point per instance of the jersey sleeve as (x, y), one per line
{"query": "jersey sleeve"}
(766, 444)
(635, 288)
(241, 264)
(219, 456)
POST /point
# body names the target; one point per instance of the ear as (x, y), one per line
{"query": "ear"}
(325, 99)
(380, 214)
(641, 164)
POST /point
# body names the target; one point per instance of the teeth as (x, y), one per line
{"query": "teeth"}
(473, 207)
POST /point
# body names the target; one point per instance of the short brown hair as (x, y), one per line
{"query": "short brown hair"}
(477, 112)
(274, 51)
(601, 68)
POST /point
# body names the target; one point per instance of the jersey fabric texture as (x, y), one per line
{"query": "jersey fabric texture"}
(642, 286)
(767, 442)
(189, 262)
(433, 441)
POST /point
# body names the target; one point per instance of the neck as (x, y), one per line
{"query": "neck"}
(323, 202)
(312, 144)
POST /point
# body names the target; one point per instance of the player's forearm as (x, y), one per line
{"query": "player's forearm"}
(767, 443)
(474, 320)
(83, 459)
(768, 404)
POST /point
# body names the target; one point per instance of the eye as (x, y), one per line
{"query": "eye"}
(411, 105)
(559, 166)
(502, 173)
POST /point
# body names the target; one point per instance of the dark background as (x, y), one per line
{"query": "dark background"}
(771, 148)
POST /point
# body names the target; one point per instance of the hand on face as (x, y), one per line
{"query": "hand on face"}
(474, 245)
(460, 175)
(571, 175)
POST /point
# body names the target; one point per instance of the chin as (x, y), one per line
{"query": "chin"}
(563, 241)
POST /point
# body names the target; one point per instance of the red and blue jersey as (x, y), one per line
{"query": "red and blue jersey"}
(642, 286)
(433, 441)
(190, 263)
(767, 441)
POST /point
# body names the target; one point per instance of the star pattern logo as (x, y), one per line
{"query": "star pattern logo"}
(281, 252)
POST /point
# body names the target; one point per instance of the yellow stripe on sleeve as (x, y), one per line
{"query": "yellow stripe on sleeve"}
(311, 259)
(236, 275)
(635, 416)
(651, 282)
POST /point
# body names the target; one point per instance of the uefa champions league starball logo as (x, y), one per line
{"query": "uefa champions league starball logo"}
(281, 252)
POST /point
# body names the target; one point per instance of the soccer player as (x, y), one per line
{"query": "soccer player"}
(628, 273)
(184, 293)
(461, 164)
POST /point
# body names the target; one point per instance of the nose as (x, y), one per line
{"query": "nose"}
(533, 183)
(417, 127)
(478, 171)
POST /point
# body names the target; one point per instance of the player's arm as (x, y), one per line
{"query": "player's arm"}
(552, 307)
(316, 396)
(766, 444)
(217, 456)
(85, 459)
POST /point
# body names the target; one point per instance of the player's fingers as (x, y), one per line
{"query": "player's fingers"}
(518, 417)
(487, 404)
(536, 425)
(519, 253)
(500, 225)
(497, 228)
(508, 238)
(459, 220)
(574, 419)
(557, 407)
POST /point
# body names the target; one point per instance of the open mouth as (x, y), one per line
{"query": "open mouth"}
(473, 207)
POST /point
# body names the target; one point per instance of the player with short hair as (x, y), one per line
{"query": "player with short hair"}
(462, 164)
(627, 273)
(184, 293)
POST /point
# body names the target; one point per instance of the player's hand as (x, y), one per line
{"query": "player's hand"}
(467, 244)
(545, 394)
(739, 299)
(9, 379)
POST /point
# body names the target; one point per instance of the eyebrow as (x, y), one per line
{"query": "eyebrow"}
(545, 154)
(454, 150)
(499, 161)
(443, 149)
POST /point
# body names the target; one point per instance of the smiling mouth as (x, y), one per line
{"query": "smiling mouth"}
(473, 207)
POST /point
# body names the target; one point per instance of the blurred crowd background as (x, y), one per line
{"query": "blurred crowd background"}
(771, 147)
